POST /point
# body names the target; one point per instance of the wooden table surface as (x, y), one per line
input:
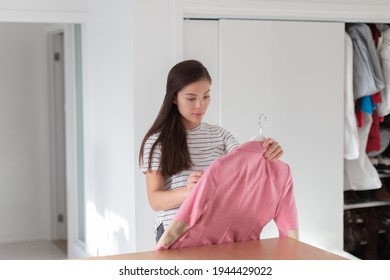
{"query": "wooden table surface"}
(264, 249)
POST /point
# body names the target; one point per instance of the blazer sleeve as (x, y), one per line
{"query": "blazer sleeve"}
(192, 209)
(286, 217)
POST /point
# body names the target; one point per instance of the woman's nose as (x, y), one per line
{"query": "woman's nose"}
(198, 103)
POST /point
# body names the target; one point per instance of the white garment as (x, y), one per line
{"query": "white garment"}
(383, 108)
(368, 77)
(351, 141)
(360, 174)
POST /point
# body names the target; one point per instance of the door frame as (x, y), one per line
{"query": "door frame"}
(268, 10)
(75, 247)
(57, 133)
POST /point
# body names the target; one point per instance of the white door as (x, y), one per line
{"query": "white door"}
(293, 73)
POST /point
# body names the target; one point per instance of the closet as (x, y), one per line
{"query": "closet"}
(367, 152)
(293, 72)
(367, 229)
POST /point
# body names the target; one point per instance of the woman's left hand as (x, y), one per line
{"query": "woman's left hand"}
(274, 150)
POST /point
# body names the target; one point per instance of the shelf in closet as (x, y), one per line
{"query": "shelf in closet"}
(366, 204)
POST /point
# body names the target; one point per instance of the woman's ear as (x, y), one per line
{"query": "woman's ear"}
(174, 101)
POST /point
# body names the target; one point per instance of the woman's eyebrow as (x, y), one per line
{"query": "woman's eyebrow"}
(194, 94)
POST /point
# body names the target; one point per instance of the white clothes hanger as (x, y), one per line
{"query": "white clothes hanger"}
(260, 136)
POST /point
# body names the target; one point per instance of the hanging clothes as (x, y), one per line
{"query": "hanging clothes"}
(374, 139)
(351, 140)
(368, 80)
(237, 195)
(367, 73)
(384, 56)
(360, 174)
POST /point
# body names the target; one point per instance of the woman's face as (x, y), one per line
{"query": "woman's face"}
(192, 102)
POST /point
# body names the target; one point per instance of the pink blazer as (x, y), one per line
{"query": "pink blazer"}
(237, 195)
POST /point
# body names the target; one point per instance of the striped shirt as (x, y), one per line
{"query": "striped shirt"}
(206, 143)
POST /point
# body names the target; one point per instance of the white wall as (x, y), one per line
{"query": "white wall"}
(125, 90)
(69, 11)
(39, 5)
(24, 161)
(154, 52)
(109, 129)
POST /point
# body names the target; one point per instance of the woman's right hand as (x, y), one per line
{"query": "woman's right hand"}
(193, 178)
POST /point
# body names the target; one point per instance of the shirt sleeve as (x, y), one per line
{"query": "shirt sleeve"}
(229, 140)
(286, 218)
(156, 157)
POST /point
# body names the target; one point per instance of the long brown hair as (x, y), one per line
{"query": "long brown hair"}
(172, 136)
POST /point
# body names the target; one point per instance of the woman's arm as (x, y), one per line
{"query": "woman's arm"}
(160, 199)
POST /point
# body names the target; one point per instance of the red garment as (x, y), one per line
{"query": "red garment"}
(359, 118)
(374, 137)
(376, 98)
(234, 199)
(376, 33)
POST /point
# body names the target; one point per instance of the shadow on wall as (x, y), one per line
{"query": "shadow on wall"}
(108, 233)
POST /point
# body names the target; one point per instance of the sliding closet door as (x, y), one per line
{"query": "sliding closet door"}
(293, 72)
(201, 42)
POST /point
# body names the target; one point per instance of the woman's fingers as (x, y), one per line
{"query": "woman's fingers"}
(274, 150)
(193, 178)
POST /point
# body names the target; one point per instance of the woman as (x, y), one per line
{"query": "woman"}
(179, 146)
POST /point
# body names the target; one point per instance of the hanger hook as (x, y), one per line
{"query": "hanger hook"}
(265, 118)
